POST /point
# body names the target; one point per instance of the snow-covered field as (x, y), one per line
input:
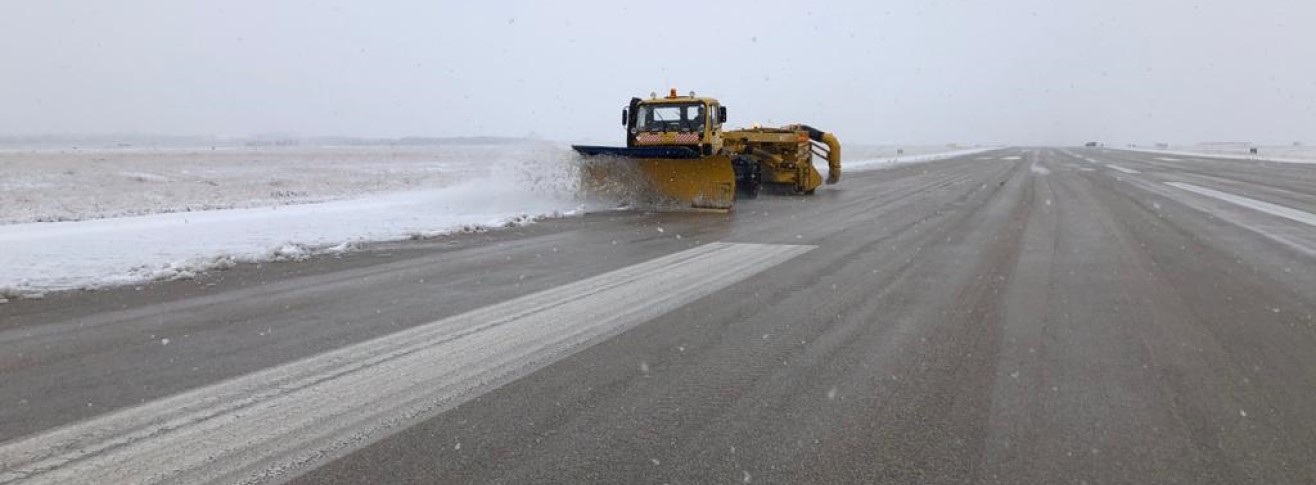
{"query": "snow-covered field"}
(60, 185)
(123, 216)
(1284, 154)
(137, 215)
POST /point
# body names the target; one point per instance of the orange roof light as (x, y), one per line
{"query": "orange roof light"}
(673, 95)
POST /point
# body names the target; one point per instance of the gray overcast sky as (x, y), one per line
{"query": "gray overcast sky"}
(1024, 72)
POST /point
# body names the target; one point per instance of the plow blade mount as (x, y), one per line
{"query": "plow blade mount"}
(661, 177)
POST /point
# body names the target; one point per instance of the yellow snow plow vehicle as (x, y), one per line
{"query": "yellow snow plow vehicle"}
(677, 154)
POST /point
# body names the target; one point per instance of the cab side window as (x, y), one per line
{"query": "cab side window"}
(694, 117)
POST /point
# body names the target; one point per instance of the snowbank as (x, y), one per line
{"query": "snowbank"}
(861, 164)
(1267, 154)
(515, 190)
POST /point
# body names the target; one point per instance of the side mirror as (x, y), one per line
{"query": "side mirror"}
(721, 114)
(623, 117)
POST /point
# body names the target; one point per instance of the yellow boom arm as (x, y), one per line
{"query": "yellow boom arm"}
(833, 156)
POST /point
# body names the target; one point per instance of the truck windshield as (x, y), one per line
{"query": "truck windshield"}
(670, 117)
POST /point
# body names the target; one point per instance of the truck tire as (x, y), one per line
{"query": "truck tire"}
(749, 177)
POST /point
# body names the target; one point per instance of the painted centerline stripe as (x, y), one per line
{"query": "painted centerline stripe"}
(1267, 207)
(1121, 169)
(1011, 158)
(276, 423)
(1167, 159)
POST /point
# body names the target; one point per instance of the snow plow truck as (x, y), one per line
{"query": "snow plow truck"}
(678, 155)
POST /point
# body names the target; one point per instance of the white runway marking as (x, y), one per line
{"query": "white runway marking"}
(1167, 159)
(1267, 207)
(1122, 169)
(1011, 158)
(273, 424)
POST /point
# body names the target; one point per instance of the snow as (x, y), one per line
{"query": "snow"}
(861, 161)
(1282, 154)
(58, 185)
(523, 185)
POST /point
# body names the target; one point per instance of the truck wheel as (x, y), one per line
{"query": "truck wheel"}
(749, 190)
(749, 177)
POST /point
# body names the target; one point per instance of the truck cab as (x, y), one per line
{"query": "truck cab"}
(686, 121)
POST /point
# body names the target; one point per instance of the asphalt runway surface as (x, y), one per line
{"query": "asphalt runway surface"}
(1026, 315)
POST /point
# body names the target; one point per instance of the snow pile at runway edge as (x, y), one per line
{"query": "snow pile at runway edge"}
(1226, 156)
(520, 188)
(876, 163)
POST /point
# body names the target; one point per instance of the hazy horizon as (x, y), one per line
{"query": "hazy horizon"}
(1018, 72)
